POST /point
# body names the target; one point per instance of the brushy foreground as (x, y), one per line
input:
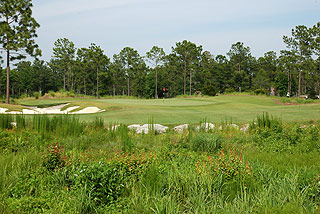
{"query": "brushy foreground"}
(63, 165)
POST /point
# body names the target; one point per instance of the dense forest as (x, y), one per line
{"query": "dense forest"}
(187, 70)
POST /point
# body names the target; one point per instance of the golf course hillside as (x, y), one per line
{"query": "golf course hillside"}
(228, 108)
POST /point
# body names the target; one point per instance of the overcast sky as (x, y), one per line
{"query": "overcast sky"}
(141, 24)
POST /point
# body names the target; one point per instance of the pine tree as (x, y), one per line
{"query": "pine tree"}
(17, 32)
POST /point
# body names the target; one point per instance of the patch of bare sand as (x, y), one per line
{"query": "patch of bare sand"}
(54, 110)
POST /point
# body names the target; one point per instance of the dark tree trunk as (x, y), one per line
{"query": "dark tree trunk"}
(64, 81)
(190, 76)
(300, 71)
(289, 83)
(299, 87)
(128, 86)
(185, 75)
(156, 90)
(97, 83)
(8, 68)
(8, 76)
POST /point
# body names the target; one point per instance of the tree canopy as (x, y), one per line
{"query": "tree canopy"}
(187, 69)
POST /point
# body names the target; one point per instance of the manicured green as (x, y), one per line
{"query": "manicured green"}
(235, 108)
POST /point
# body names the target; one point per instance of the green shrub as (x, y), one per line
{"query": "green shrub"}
(51, 93)
(26, 185)
(103, 182)
(36, 94)
(228, 163)
(70, 94)
(230, 174)
(209, 90)
(54, 158)
(23, 96)
(28, 205)
(229, 90)
(11, 141)
(260, 91)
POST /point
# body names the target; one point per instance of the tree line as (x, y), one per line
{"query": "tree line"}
(186, 70)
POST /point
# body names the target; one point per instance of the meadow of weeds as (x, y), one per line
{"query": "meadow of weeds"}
(60, 164)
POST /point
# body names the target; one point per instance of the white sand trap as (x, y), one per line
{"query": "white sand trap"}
(54, 110)
(3, 110)
(89, 110)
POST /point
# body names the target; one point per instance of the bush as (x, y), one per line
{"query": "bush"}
(36, 94)
(205, 142)
(229, 172)
(209, 90)
(103, 182)
(260, 91)
(70, 94)
(54, 158)
(229, 90)
(51, 93)
(23, 96)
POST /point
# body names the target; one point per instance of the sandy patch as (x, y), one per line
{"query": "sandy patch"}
(89, 110)
(54, 110)
(3, 110)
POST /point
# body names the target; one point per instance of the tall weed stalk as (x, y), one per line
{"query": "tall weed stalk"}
(6, 121)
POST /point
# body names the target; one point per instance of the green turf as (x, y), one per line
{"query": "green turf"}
(237, 109)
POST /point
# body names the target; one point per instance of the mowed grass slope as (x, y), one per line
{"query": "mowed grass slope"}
(236, 109)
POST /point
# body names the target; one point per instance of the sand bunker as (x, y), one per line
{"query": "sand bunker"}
(54, 110)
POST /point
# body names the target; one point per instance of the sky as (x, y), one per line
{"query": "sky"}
(142, 24)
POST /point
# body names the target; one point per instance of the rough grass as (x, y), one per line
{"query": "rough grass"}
(178, 179)
(11, 107)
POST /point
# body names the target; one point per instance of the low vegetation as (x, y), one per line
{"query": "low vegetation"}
(61, 164)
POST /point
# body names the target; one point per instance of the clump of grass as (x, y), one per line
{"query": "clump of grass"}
(151, 129)
(63, 125)
(20, 122)
(126, 142)
(6, 121)
(98, 122)
(205, 142)
(265, 121)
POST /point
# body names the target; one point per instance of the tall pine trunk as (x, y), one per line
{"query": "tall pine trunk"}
(64, 81)
(299, 87)
(128, 86)
(156, 90)
(8, 68)
(8, 75)
(300, 71)
(185, 75)
(97, 83)
(239, 70)
(84, 86)
(190, 76)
